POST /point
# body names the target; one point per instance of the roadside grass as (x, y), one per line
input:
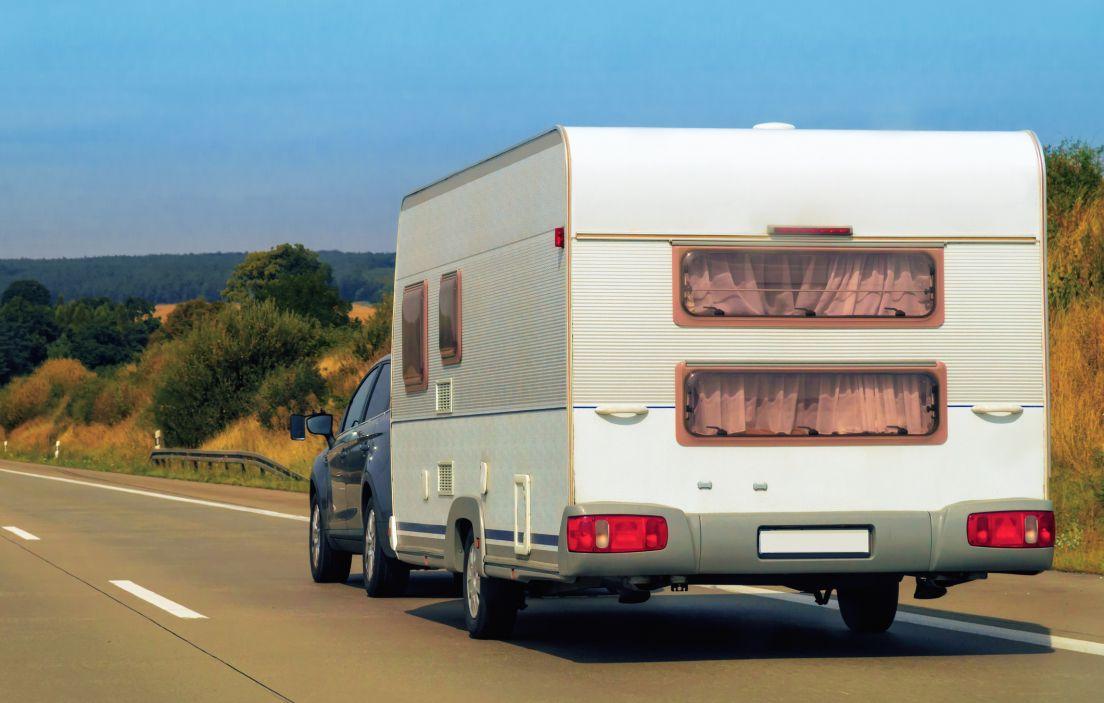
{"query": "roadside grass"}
(1077, 434)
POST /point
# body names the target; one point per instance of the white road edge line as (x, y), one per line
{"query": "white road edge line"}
(163, 496)
(973, 628)
(158, 600)
(20, 533)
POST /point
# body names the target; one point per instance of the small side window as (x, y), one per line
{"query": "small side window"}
(449, 337)
(414, 357)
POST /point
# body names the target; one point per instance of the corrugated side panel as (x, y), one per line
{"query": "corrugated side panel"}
(514, 334)
(626, 344)
(513, 293)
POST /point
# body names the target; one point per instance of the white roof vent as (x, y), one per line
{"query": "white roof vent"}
(773, 125)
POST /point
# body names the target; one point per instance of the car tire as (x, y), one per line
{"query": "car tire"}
(327, 564)
(384, 576)
(868, 609)
(490, 604)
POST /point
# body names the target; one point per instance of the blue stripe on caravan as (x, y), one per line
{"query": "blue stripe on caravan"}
(970, 406)
(422, 527)
(508, 536)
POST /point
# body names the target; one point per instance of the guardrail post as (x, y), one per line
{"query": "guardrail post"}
(57, 449)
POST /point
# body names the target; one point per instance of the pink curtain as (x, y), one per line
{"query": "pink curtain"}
(804, 283)
(810, 403)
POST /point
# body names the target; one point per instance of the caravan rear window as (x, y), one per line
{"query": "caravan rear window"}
(795, 286)
(785, 405)
(414, 356)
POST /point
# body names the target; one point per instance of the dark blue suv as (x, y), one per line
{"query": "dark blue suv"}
(350, 489)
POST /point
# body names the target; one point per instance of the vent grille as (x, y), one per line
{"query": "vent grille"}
(444, 478)
(444, 396)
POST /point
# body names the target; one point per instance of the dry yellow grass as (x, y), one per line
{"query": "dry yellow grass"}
(248, 435)
(361, 311)
(162, 310)
(1077, 434)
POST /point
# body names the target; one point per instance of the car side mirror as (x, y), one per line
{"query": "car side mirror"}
(297, 428)
(321, 424)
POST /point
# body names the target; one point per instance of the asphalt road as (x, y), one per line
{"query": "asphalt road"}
(260, 629)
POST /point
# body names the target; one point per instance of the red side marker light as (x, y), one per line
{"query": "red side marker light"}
(838, 231)
(559, 237)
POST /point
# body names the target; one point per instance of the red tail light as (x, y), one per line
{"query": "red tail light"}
(616, 533)
(1011, 528)
(559, 237)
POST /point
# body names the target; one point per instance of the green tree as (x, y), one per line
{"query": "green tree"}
(98, 332)
(188, 314)
(26, 289)
(294, 278)
(26, 331)
(1074, 177)
(216, 369)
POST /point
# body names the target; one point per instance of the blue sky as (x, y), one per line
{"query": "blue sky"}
(144, 127)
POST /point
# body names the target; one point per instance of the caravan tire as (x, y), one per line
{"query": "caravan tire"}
(490, 604)
(384, 576)
(869, 609)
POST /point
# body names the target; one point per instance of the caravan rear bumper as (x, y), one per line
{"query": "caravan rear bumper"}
(903, 542)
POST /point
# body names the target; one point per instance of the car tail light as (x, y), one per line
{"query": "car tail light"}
(1011, 528)
(616, 533)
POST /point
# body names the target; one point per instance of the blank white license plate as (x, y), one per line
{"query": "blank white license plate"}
(814, 543)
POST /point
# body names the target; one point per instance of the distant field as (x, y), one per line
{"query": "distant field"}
(362, 311)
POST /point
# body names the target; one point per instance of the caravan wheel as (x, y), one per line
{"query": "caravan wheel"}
(490, 604)
(869, 609)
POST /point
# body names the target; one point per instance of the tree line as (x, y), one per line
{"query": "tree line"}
(171, 278)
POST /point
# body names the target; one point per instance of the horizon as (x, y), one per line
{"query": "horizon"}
(129, 129)
(181, 253)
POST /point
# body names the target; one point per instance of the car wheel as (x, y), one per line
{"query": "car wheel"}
(383, 575)
(869, 609)
(327, 564)
(490, 604)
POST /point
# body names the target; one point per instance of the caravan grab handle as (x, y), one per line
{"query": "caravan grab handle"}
(998, 409)
(621, 410)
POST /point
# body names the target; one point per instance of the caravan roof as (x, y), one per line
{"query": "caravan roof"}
(673, 182)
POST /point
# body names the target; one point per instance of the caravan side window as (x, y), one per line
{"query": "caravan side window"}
(449, 337)
(808, 286)
(414, 356)
(787, 405)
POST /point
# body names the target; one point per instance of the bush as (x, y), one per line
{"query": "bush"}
(105, 401)
(188, 314)
(373, 337)
(38, 394)
(287, 390)
(214, 372)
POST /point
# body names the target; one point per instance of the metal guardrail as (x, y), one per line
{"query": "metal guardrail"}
(219, 456)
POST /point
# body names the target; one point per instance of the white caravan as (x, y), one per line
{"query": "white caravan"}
(643, 358)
